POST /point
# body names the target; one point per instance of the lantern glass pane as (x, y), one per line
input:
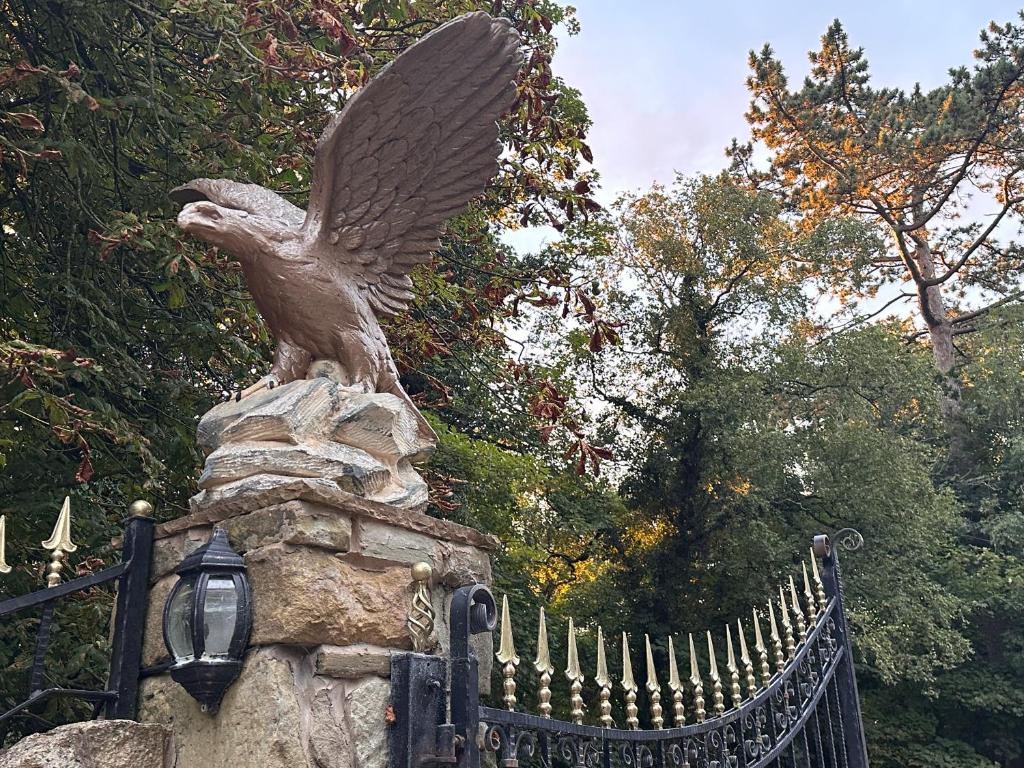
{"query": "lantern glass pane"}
(179, 621)
(220, 615)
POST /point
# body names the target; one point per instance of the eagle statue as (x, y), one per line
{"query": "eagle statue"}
(407, 152)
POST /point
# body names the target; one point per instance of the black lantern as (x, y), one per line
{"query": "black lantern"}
(207, 620)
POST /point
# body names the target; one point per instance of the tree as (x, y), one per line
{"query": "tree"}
(939, 171)
(740, 436)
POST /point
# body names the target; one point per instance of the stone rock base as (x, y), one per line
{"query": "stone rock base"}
(332, 589)
(96, 744)
(283, 712)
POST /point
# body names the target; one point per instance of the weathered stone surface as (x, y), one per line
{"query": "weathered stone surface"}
(260, 722)
(311, 598)
(283, 414)
(354, 441)
(366, 703)
(93, 744)
(291, 523)
(379, 423)
(153, 649)
(330, 743)
(386, 542)
(354, 470)
(352, 661)
(266, 490)
(168, 552)
(207, 514)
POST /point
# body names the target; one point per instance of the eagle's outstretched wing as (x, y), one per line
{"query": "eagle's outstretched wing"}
(410, 151)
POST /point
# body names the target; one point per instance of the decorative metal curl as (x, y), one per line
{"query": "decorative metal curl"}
(848, 539)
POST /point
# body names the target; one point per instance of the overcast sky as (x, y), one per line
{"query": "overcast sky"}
(664, 79)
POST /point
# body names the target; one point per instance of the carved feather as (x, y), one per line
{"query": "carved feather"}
(410, 151)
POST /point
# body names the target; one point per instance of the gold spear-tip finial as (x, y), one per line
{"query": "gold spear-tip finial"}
(746, 661)
(629, 686)
(575, 675)
(812, 608)
(734, 671)
(4, 567)
(544, 668)
(653, 687)
(508, 657)
(675, 684)
(59, 544)
(698, 684)
(762, 650)
(819, 587)
(605, 682)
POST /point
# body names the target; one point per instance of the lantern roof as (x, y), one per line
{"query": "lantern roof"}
(216, 554)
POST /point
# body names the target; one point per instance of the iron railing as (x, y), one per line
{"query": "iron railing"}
(800, 707)
(118, 699)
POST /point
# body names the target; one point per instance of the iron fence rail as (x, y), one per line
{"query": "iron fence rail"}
(131, 575)
(804, 715)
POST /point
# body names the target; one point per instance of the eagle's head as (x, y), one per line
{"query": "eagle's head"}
(245, 220)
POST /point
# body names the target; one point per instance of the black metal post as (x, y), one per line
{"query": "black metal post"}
(846, 677)
(473, 611)
(129, 618)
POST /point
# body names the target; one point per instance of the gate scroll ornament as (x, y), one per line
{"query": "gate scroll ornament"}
(805, 713)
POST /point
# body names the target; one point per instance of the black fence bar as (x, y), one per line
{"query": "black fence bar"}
(129, 618)
(846, 676)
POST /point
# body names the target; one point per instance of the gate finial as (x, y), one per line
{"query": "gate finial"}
(653, 687)
(629, 686)
(734, 672)
(698, 686)
(798, 614)
(819, 587)
(59, 543)
(780, 660)
(762, 650)
(748, 665)
(575, 675)
(812, 609)
(718, 705)
(787, 625)
(603, 680)
(676, 686)
(544, 668)
(508, 657)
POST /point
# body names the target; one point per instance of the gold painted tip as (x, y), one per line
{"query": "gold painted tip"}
(673, 669)
(507, 648)
(783, 608)
(602, 678)
(572, 667)
(61, 536)
(793, 599)
(744, 652)
(814, 566)
(758, 637)
(140, 508)
(543, 663)
(4, 567)
(712, 661)
(694, 669)
(730, 655)
(771, 619)
(652, 673)
(628, 683)
(807, 581)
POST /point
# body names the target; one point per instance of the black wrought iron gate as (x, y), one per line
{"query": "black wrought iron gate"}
(800, 711)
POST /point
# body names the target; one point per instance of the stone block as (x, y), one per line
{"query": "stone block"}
(352, 661)
(153, 649)
(354, 470)
(311, 597)
(282, 414)
(379, 423)
(388, 542)
(93, 744)
(366, 702)
(259, 724)
(291, 523)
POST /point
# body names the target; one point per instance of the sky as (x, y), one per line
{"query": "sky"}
(664, 80)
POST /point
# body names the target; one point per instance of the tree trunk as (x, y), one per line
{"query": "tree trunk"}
(940, 334)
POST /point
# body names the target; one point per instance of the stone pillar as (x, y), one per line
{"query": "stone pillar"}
(332, 588)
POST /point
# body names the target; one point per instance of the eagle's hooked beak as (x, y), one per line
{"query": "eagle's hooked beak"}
(203, 218)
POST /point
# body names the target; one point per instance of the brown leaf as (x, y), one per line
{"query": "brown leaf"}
(26, 120)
